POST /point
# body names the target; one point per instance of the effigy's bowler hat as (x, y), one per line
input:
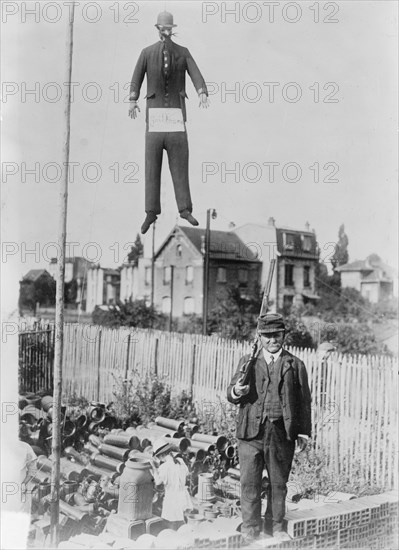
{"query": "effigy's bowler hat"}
(269, 323)
(165, 19)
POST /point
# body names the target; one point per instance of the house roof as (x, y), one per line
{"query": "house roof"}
(357, 265)
(377, 272)
(35, 274)
(224, 245)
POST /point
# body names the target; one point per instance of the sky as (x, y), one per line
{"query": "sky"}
(308, 89)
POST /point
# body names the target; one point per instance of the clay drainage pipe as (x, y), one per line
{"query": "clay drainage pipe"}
(114, 452)
(170, 423)
(220, 441)
(102, 461)
(126, 441)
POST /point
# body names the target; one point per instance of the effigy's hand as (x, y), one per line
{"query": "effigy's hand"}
(204, 101)
(133, 108)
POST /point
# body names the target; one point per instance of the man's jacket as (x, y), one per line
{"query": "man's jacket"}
(293, 392)
(162, 92)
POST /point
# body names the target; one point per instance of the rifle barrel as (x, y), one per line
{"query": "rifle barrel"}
(265, 300)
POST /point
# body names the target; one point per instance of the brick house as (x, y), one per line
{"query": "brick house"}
(179, 269)
(297, 255)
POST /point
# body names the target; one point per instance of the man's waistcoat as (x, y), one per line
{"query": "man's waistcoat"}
(272, 408)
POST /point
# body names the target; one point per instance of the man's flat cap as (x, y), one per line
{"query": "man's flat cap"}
(271, 322)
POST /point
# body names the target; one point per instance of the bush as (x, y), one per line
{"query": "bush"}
(140, 399)
(311, 476)
(297, 335)
(354, 338)
(131, 314)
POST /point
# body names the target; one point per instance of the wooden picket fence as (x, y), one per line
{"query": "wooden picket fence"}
(354, 398)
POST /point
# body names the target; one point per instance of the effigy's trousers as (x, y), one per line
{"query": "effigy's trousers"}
(176, 146)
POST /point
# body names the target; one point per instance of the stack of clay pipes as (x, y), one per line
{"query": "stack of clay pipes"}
(185, 437)
(36, 415)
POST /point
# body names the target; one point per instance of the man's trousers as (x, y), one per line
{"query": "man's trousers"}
(176, 145)
(270, 450)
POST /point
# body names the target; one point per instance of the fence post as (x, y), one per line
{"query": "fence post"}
(99, 363)
(192, 374)
(337, 424)
(156, 357)
(127, 356)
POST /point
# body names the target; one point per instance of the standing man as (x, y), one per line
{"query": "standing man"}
(274, 416)
(165, 64)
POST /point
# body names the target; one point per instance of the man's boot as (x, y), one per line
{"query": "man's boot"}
(186, 214)
(150, 218)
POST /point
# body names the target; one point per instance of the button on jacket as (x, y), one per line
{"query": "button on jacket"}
(293, 391)
(165, 91)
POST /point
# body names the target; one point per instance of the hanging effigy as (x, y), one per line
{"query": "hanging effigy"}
(165, 64)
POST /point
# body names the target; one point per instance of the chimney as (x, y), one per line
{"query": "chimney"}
(271, 221)
(231, 226)
(307, 226)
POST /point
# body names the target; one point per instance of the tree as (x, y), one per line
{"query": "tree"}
(41, 291)
(234, 316)
(340, 256)
(71, 291)
(136, 251)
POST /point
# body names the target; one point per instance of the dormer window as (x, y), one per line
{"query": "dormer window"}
(289, 241)
(306, 243)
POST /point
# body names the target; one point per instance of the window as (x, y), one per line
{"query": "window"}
(166, 303)
(147, 276)
(289, 241)
(221, 275)
(179, 251)
(307, 243)
(189, 274)
(188, 307)
(166, 275)
(242, 275)
(306, 275)
(289, 275)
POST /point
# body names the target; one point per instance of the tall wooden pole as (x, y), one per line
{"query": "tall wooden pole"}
(153, 266)
(206, 272)
(59, 306)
